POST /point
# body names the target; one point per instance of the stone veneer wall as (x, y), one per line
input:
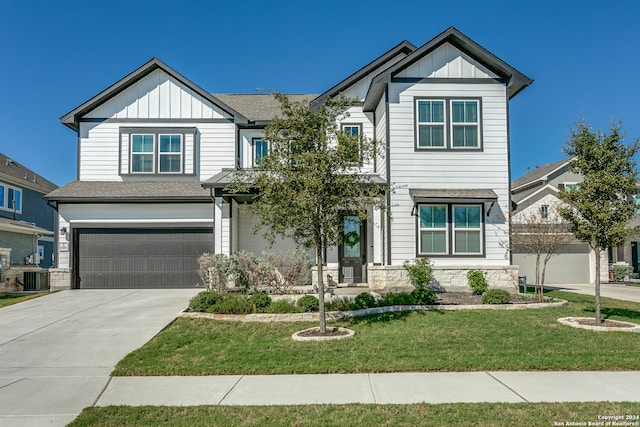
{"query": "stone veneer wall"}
(452, 278)
(59, 279)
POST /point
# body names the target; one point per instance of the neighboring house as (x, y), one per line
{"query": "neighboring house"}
(26, 220)
(537, 193)
(156, 152)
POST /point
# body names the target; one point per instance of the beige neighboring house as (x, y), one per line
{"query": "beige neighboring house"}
(536, 194)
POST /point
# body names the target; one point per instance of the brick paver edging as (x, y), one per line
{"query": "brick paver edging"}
(337, 315)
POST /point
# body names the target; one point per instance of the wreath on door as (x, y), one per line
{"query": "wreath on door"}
(352, 238)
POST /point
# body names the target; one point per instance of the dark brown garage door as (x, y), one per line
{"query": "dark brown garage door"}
(120, 259)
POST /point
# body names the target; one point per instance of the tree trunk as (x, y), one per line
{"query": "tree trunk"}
(321, 315)
(598, 316)
(537, 273)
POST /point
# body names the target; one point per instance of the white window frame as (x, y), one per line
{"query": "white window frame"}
(575, 185)
(418, 123)
(152, 152)
(254, 157)
(461, 124)
(170, 153)
(544, 211)
(455, 229)
(445, 229)
(5, 198)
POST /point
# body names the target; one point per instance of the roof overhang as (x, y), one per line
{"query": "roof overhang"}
(73, 117)
(453, 196)
(22, 227)
(515, 80)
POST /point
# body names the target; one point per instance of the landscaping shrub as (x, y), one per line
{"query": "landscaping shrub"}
(423, 296)
(232, 304)
(259, 301)
(420, 272)
(477, 281)
(364, 300)
(251, 272)
(496, 296)
(308, 303)
(340, 304)
(620, 272)
(288, 269)
(204, 300)
(282, 306)
(397, 299)
(215, 271)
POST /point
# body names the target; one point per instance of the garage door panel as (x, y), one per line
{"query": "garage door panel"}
(570, 267)
(121, 259)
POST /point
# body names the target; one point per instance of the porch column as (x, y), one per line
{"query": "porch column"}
(378, 236)
(217, 244)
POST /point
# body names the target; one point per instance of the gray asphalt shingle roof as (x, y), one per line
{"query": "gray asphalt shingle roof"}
(258, 107)
(21, 174)
(129, 191)
(538, 173)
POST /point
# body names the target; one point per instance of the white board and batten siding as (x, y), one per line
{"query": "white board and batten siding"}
(129, 215)
(447, 61)
(359, 89)
(157, 101)
(483, 169)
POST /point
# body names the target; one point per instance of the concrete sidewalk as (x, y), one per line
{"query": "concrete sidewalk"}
(437, 387)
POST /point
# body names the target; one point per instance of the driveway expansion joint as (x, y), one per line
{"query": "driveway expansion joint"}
(95, 402)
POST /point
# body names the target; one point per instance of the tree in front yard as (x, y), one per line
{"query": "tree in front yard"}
(543, 234)
(601, 206)
(311, 177)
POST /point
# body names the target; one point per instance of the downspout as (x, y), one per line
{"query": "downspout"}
(213, 218)
(56, 232)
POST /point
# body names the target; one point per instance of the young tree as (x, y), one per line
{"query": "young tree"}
(540, 234)
(602, 205)
(310, 178)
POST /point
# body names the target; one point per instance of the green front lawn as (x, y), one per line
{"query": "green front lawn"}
(473, 340)
(459, 414)
(14, 299)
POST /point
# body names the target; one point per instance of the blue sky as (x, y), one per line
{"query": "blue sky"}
(583, 55)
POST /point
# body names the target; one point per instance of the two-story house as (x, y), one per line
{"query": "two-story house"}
(156, 152)
(26, 221)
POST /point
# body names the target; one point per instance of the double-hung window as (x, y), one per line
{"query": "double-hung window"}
(447, 124)
(156, 153)
(350, 145)
(10, 199)
(260, 150)
(450, 229)
(142, 153)
(431, 123)
(170, 153)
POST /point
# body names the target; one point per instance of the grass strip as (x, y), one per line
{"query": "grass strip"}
(460, 414)
(473, 340)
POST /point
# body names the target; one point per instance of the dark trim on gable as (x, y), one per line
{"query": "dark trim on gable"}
(73, 117)
(402, 47)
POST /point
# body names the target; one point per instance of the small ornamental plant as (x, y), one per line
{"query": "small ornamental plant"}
(477, 282)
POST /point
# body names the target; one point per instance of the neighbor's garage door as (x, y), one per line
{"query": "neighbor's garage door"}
(140, 258)
(569, 267)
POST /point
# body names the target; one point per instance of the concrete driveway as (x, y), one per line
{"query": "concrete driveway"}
(57, 351)
(609, 290)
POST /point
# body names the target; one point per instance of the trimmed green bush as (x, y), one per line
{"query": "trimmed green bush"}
(364, 300)
(477, 281)
(232, 304)
(423, 296)
(282, 306)
(420, 272)
(259, 301)
(340, 304)
(308, 303)
(620, 272)
(397, 299)
(204, 300)
(496, 296)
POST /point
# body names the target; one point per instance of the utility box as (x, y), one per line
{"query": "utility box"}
(4, 261)
(36, 281)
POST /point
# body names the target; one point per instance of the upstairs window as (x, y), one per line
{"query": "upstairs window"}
(10, 198)
(431, 123)
(544, 211)
(464, 124)
(571, 186)
(142, 152)
(156, 153)
(447, 124)
(260, 150)
(170, 154)
(350, 146)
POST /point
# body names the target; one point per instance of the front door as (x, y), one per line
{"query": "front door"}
(352, 251)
